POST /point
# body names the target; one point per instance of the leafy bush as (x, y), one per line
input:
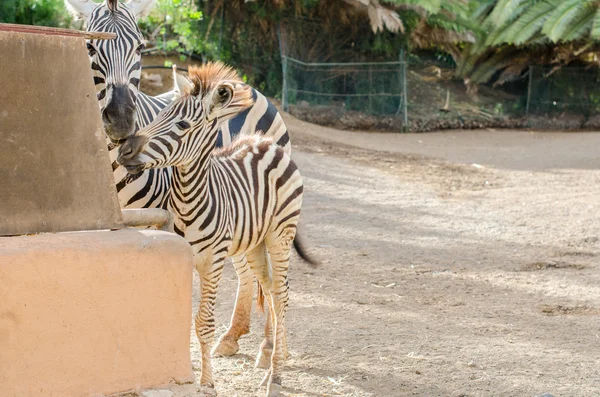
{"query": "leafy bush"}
(176, 25)
(35, 12)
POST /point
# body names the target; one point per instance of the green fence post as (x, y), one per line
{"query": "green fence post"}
(404, 92)
(284, 99)
(528, 91)
(284, 91)
(370, 89)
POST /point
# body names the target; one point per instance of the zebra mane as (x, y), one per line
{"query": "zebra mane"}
(242, 144)
(208, 76)
(112, 5)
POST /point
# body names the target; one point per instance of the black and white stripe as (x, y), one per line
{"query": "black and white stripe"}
(115, 62)
(242, 200)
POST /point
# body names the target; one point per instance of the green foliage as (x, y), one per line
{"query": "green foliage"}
(523, 28)
(488, 40)
(35, 12)
(248, 38)
(176, 25)
(519, 21)
(504, 12)
(515, 34)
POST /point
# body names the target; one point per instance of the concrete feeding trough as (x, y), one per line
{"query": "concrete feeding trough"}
(88, 307)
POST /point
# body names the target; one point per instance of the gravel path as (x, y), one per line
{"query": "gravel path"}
(440, 277)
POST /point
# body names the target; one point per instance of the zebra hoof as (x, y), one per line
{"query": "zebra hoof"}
(226, 346)
(263, 359)
(273, 390)
(206, 391)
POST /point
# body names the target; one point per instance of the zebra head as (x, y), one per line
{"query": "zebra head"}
(116, 64)
(185, 132)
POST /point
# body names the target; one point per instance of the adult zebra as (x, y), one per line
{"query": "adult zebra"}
(116, 65)
(244, 199)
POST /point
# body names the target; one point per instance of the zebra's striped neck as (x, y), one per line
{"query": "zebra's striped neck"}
(191, 190)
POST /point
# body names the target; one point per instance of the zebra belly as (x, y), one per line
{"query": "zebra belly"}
(236, 248)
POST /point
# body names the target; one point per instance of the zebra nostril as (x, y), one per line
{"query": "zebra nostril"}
(106, 116)
(126, 151)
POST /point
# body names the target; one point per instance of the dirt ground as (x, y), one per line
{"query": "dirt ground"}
(463, 263)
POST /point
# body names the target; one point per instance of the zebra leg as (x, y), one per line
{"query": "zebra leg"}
(263, 358)
(240, 320)
(279, 251)
(210, 270)
(259, 264)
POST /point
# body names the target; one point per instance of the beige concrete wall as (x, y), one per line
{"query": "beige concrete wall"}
(55, 170)
(93, 313)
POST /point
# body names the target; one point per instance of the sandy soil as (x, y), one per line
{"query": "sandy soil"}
(454, 264)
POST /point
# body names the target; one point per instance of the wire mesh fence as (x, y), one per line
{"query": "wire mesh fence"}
(563, 91)
(420, 92)
(418, 95)
(371, 87)
(438, 99)
(326, 79)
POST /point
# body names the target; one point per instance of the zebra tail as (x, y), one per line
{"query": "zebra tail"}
(260, 298)
(302, 252)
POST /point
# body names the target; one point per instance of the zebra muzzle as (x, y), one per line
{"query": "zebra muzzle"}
(128, 153)
(119, 114)
(134, 168)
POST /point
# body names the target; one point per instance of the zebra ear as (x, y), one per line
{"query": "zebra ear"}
(219, 99)
(80, 9)
(140, 8)
(181, 83)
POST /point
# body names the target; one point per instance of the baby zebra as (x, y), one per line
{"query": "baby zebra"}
(242, 199)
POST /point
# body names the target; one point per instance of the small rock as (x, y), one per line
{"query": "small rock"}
(157, 393)
(418, 372)
(544, 395)
(471, 364)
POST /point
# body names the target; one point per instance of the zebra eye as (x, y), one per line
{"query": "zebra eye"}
(91, 49)
(183, 125)
(139, 49)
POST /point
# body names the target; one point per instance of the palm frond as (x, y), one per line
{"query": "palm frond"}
(595, 33)
(485, 70)
(527, 25)
(561, 18)
(483, 10)
(380, 17)
(425, 36)
(581, 25)
(504, 11)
